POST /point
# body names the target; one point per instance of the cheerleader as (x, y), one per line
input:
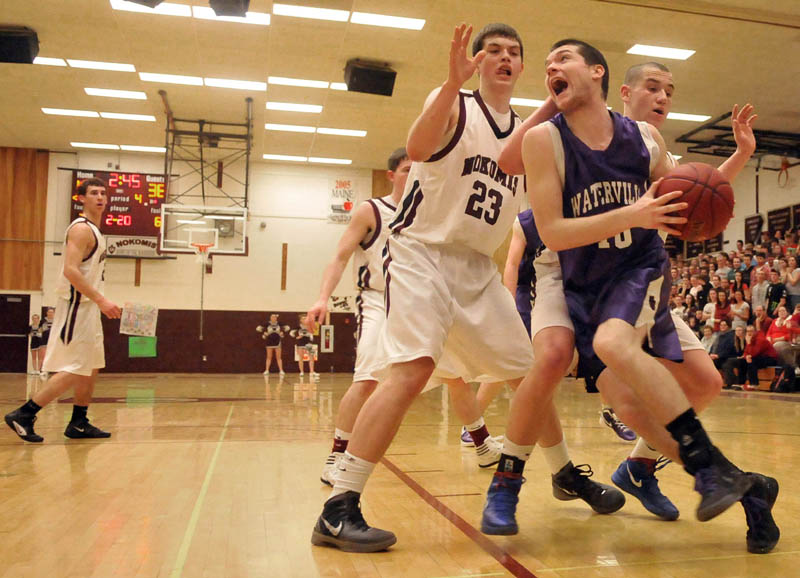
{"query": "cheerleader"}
(272, 334)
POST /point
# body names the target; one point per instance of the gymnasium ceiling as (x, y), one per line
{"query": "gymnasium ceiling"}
(747, 50)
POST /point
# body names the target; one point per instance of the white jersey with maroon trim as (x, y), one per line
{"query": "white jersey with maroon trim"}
(368, 258)
(91, 267)
(460, 196)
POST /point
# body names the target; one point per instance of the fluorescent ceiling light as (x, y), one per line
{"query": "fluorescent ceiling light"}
(165, 8)
(193, 222)
(689, 117)
(293, 107)
(660, 51)
(342, 131)
(297, 82)
(677, 157)
(96, 65)
(94, 145)
(206, 13)
(69, 112)
(338, 86)
(527, 102)
(285, 158)
(238, 84)
(307, 12)
(289, 127)
(388, 21)
(133, 94)
(124, 116)
(49, 61)
(329, 161)
(171, 78)
(142, 149)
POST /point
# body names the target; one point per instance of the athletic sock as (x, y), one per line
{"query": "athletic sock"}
(478, 431)
(79, 413)
(694, 446)
(30, 407)
(513, 457)
(340, 441)
(557, 456)
(642, 451)
(352, 475)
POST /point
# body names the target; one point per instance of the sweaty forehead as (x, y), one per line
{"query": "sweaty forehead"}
(567, 48)
(653, 74)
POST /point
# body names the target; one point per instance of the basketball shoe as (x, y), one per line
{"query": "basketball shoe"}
(22, 424)
(720, 485)
(762, 532)
(639, 480)
(501, 505)
(331, 467)
(572, 482)
(341, 525)
(489, 452)
(609, 418)
(84, 430)
(466, 439)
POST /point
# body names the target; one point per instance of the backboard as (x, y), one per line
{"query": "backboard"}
(225, 228)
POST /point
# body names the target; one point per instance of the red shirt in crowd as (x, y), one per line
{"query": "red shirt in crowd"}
(760, 346)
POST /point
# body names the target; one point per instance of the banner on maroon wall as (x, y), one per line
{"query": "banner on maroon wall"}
(694, 249)
(779, 220)
(752, 228)
(796, 216)
(714, 245)
(674, 246)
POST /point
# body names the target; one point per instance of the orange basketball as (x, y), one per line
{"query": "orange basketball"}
(710, 198)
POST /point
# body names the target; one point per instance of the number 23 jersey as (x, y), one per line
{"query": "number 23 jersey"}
(459, 195)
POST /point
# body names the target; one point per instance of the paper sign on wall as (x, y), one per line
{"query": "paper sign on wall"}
(343, 198)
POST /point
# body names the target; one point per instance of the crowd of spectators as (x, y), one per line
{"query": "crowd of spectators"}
(744, 305)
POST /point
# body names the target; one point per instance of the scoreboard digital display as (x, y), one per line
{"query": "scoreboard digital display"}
(134, 202)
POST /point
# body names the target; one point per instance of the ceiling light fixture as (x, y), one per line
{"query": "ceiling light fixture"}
(94, 145)
(342, 132)
(97, 65)
(338, 86)
(49, 61)
(70, 112)
(143, 149)
(689, 117)
(329, 161)
(660, 51)
(297, 82)
(308, 12)
(289, 127)
(205, 13)
(152, 7)
(387, 21)
(171, 78)
(533, 102)
(293, 107)
(125, 116)
(291, 158)
(237, 84)
(132, 94)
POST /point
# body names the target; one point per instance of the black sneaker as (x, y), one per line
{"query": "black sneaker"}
(720, 485)
(341, 525)
(83, 430)
(762, 532)
(22, 424)
(572, 482)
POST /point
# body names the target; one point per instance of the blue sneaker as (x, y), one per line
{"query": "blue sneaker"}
(466, 439)
(501, 505)
(762, 532)
(639, 480)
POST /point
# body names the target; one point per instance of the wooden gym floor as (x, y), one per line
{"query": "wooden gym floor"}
(218, 476)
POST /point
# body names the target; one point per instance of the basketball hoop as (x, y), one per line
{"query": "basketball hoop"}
(201, 250)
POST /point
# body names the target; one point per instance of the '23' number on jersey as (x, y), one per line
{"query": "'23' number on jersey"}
(474, 208)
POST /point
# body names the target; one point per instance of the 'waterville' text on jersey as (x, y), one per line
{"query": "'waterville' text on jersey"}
(604, 193)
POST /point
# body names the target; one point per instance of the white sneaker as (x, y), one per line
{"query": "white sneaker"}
(331, 467)
(489, 452)
(282, 372)
(302, 374)
(43, 374)
(266, 372)
(314, 374)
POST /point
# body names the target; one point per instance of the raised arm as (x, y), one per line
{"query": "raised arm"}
(515, 252)
(559, 233)
(440, 113)
(511, 158)
(363, 222)
(742, 124)
(80, 241)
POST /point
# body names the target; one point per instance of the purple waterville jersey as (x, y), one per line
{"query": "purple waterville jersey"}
(621, 276)
(526, 274)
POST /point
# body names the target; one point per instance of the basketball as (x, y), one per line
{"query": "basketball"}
(710, 199)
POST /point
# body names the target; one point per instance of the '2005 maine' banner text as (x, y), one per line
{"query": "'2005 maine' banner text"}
(343, 197)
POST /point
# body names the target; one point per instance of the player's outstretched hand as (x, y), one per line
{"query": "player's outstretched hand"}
(110, 309)
(742, 124)
(654, 213)
(462, 67)
(316, 315)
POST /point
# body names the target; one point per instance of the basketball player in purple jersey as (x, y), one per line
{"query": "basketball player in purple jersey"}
(589, 169)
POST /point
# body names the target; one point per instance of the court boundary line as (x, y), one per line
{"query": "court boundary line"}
(188, 535)
(487, 545)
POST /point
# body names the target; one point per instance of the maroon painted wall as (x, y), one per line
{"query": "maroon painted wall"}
(230, 344)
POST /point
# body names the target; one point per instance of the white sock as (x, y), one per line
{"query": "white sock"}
(517, 451)
(341, 435)
(352, 475)
(477, 424)
(642, 450)
(557, 456)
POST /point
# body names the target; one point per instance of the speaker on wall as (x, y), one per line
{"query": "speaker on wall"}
(18, 44)
(369, 77)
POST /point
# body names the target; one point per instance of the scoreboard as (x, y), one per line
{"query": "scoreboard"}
(134, 202)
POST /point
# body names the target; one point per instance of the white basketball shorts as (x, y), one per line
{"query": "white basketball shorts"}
(76, 338)
(371, 317)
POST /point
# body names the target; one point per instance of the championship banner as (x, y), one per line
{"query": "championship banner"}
(779, 220)
(693, 248)
(752, 228)
(343, 197)
(796, 215)
(119, 246)
(714, 245)
(673, 246)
